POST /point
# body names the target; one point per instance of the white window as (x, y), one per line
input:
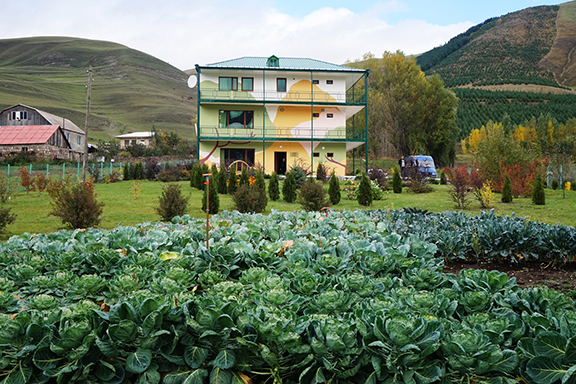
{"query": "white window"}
(19, 115)
(79, 140)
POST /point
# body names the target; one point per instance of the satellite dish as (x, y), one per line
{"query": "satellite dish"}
(192, 81)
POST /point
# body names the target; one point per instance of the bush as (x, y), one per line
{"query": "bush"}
(26, 179)
(334, 189)
(555, 184)
(289, 188)
(299, 176)
(273, 187)
(6, 218)
(138, 173)
(41, 182)
(419, 183)
(75, 203)
(443, 180)
(460, 180)
(259, 181)
(214, 201)
(321, 172)
(364, 193)
(171, 202)
(5, 191)
(196, 176)
(397, 182)
(312, 196)
(250, 199)
(152, 169)
(507, 190)
(484, 195)
(221, 180)
(538, 196)
(232, 182)
(126, 171)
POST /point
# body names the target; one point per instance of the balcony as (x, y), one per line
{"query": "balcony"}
(280, 134)
(283, 97)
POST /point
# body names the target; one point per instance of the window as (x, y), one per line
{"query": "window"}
(133, 142)
(273, 61)
(247, 83)
(236, 119)
(227, 83)
(329, 115)
(19, 115)
(126, 143)
(281, 85)
(330, 82)
(330, 154)
(79, 140)
(315, 81)
(229, 155)
(315, 115)
(142, 141)
(24, 149)
(316, 154)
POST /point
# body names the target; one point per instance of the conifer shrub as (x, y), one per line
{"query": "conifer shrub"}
(205, 169)
(221, 181)
(273, 187)
(321, 172)
(396, 182)
(312, 196)
(196, 176)
(244, 177)
(299, 176)
(250, 199)
(555, 184)
(232, 182)
(6, 218)
(138, 173)
(214, 172)
(364, 192)
(507, 196)
(334, 189)
(172, 202)
(126, 171)
(538, 196)
(214, 199)
(75, 203)
(289, 188)
(442, 176)
(259, 181)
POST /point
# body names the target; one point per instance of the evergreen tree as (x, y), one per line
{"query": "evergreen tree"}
(364, 191)
(205, 169)
(244, 178)
(289, 188)
(214, 198)
(194, 173)
(397, 182)
(507, 190)
(138, 171)
(334, 189)
(321, 173)
(538, 196)
(260, 183)
(214, 172)
(232, 182)
(273, 188)
(221, 180)
(126, 171)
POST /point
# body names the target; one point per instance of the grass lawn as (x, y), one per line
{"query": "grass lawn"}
(122, 209)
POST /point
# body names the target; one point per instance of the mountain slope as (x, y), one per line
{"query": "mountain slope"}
(131, 91)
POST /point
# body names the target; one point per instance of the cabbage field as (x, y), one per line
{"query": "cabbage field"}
(290, 297)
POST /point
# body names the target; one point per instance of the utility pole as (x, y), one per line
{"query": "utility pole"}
(86, 125)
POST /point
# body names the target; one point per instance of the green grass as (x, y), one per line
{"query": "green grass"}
(122, 209)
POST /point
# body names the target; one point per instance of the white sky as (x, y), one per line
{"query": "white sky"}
(188, 32)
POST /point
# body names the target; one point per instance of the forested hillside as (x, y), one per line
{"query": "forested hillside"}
(131, 91)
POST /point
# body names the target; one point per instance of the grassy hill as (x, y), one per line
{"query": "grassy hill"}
(131, 91)
(522, 64)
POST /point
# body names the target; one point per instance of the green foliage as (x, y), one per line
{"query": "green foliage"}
(460, 180)
(250, 199)
(321, 172)
(75, 203)
(538, 195)
(6, 218)
(507, 190)
(299, 176)
(334, 189)
(138, 173)
(214, 198)
(172, 202)
(442, 177)
(397, 182)
(364, 192)
(259, 181)
(273, 187)
(554, 184)
(126, 171)
(221, 181)
(244, 178)
(196, 179)
(232, 182)
(312, 196)
(289, 188)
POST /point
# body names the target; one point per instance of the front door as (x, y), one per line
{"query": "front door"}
(280, 163)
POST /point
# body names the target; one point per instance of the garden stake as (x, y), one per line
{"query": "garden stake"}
(207, 176)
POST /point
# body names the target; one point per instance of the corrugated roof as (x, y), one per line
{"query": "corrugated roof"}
(284, 63)
(135, 135)
(53, 119)
(26, 134)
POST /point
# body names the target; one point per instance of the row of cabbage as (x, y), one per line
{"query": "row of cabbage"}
(485, 236)
(285, 298)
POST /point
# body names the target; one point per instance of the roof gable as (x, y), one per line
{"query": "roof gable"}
(28, 134)
(51, 118)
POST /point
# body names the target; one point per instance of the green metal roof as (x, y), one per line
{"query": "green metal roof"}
(285, 63)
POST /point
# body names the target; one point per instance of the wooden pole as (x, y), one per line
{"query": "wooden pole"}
(207, 176)
(86, 124)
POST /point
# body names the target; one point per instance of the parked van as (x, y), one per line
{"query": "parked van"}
(426, 165)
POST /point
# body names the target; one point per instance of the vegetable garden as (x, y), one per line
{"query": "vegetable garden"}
(291, 297)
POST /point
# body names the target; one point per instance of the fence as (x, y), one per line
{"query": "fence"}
(55, 171)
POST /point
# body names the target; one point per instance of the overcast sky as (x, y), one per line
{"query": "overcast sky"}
(188, 32)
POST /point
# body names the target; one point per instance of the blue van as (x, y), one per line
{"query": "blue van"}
(425, 165)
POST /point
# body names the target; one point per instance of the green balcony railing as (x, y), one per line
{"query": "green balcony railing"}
(280, 133)
(289, 97)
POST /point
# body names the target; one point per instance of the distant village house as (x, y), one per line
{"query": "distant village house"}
(128, 139)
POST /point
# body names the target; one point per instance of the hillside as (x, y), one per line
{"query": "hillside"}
(131, 91)
(522, 64)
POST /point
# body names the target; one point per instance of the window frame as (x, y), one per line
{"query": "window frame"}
(278, 84)
(251, 88)
(329, 115)
(315, 81)
(315, 114)
(233, 83)
(329, 82)
(227, 112)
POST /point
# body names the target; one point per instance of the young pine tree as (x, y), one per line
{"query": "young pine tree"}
(397, 182)
(365, 192)
(507, 190)
(273, 188)
(538, 196)
(334, 189)
(232, 182)
(221, 180)
(126, 171)
(289, 188)
(321, 173)
(205, 170)
(260, 183)
(214, 172)
(244, 178)
(213, 199)
(194, 173)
